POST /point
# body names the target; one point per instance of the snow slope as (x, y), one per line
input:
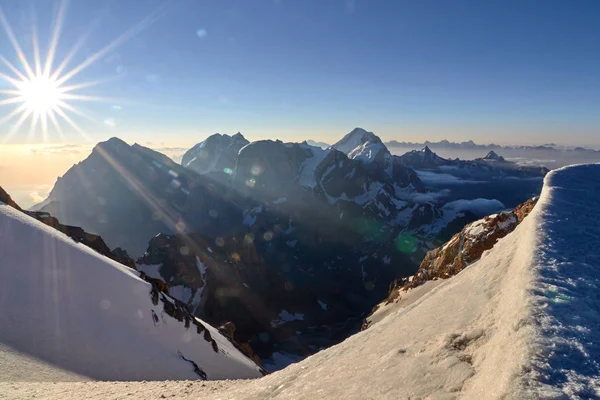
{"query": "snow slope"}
(566, 289)
(66, 305)
(519, 323)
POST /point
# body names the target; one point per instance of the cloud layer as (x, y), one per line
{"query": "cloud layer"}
(433, 178)
(480, 207)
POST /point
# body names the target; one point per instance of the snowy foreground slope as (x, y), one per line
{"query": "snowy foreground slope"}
(65, 311)
(519, 323)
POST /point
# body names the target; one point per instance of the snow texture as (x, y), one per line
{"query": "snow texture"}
(309, 166)
(566, 303)
(66, 305)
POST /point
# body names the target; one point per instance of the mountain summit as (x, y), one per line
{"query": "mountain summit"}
(218, 153)
(493, 156)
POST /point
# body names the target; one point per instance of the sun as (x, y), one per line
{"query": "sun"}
(40, 95)
(40, 91)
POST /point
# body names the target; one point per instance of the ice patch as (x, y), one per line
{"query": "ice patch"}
(152, 270)
(309, 166)
(286, 316)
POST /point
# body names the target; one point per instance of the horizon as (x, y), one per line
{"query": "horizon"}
(74, 74)
(28, 171)
(511, 74)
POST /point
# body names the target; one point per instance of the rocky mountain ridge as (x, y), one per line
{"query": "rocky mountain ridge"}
(489, 167)
(327, 229)
(464, 248)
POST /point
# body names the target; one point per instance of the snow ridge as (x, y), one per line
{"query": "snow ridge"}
(566, 305)
(65, 304)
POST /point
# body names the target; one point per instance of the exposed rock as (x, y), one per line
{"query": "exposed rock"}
(294, 244)
(128, 194)
(217, 154)
(460, 251)
(6, 199)
(493, 156)
(76, 233)
(488, 167)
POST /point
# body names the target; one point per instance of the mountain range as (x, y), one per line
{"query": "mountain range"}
(505, 309)
(470, 145)
(287, 244)
(489, 167)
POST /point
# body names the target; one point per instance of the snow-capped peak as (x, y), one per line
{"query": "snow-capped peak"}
(426, 151)
(493, 156)
(216, 153)
(365, 147)
(357, 137)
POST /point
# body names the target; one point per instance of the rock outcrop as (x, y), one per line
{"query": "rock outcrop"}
(217, 154)
(460, 251)
(492, 166)
(6, 199)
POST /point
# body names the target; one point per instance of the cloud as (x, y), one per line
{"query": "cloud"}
(530, 161)
(201, 33)
(480, 207)
(36, 197)
(62, 149)
(433, 178)
(429, 197)
(169, 149)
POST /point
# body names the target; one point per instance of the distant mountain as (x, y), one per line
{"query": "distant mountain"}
(127, 194)
(216, 154)
(423, 159)
(322, 145)
(489, 167)
(290, 242)
(470, 145)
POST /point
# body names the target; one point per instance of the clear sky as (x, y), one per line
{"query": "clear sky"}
(521, 71)
(170, 73)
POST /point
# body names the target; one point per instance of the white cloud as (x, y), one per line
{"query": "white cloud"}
(433, 178)
(429, 197)
(480, 207)
(201, 33)
(36, 197)
(62, 149)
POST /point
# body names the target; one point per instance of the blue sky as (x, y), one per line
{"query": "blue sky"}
(524, 71)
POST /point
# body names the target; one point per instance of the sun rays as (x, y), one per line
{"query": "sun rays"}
(40, 93)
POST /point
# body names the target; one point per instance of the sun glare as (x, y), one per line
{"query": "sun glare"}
(40, 95)
(39, 91)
